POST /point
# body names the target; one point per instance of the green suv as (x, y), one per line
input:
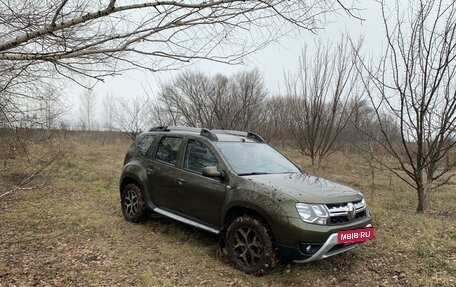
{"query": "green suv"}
(233, 184)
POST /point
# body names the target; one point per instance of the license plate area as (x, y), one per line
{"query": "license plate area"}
(355, 235)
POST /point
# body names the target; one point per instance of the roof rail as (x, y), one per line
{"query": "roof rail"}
(159, 128)
(184, 129)
(250, 135)
(174, 128)
(203, 132)
(209, 134)
(256, 136)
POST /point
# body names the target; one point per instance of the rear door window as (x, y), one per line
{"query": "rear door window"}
(142, 144)
(168, 149)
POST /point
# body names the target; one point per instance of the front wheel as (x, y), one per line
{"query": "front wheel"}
(132, 200)
(249, 244)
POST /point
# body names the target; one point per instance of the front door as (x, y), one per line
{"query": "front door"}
(201, 197)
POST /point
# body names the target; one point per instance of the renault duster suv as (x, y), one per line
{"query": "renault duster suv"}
(233, 184)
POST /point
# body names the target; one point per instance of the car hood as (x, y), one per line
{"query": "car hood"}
(306, 188)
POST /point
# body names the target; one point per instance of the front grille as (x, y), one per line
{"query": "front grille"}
(361, 214)
(338, 219)
(345, 212)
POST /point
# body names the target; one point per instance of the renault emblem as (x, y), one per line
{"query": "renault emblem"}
(351, 212)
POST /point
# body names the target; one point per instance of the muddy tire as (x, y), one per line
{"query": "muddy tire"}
(132, 201)
(250, 245)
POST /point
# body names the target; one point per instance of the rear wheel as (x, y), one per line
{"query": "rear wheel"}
(132, 200)
(249, 244)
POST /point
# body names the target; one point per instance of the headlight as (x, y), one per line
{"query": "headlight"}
(365, 205)
(313, 213)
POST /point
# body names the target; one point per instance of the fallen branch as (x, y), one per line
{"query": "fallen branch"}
(31, 177)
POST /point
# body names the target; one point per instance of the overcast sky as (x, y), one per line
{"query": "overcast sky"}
(273, 61)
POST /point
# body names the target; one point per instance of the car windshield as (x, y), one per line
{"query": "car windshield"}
(254, 158)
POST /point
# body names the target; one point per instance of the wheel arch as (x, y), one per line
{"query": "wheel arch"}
(127, 179)
(238, 210)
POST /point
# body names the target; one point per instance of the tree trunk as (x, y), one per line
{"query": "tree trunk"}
(424, 196)
(372, 170)
(424, 190)
(315, 164)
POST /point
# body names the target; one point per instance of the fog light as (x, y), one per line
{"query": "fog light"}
(309, 248)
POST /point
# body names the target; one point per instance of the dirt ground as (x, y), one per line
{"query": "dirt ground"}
(70, 232)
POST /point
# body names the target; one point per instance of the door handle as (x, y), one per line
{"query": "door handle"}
(180, 181)
(150, 167)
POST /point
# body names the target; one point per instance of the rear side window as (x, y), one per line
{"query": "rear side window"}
(198, 156)
(142, 144)
(168, 149)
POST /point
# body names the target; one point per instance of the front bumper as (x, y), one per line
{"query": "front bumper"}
(329, 248)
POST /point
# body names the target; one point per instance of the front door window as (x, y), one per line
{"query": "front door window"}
(198, 156)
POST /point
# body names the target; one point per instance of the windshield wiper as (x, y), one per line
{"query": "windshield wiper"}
(253, 173)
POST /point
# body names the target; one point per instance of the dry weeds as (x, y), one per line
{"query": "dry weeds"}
(71, 233)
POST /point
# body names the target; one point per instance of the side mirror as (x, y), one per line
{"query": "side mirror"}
(211, 171)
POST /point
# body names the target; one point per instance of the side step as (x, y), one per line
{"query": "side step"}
(186, 220)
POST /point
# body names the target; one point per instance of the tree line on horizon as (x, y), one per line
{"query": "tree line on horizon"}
(402, 104)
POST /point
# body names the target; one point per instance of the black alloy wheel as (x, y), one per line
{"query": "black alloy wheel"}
(250, 245)
(133, 207)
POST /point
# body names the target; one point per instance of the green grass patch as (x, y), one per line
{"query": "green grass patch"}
(434, 261)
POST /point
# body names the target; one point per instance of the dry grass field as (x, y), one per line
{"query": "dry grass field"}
(71, 232)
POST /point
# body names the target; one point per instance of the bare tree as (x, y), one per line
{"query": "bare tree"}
(108, 112)
(188, 96)
(132, 115)
(25, 105)
(51, 108)
(272, 120)
(76, 39)
(163, 113)
(318, 100)
(57, 32)
(242, 106)
(195, 99)
(414, 85)
(364, 150)
(21, 93)
(87, 110)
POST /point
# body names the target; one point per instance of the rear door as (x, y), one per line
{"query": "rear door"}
(161, 171)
